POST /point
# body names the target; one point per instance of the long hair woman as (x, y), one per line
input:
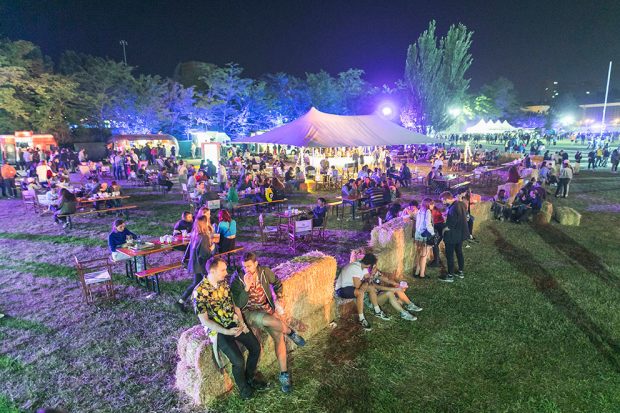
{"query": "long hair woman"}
(198, 252)
(423, 227)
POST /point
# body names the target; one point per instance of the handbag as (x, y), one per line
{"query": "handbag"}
(431, 239)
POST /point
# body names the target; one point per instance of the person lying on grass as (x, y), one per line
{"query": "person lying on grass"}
(252, 293)
(353, 283)
(223, 321)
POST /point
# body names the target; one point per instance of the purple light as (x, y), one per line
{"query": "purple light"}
(386, 111)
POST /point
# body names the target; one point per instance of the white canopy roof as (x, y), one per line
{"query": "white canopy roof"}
(318, 129)
(491, 127)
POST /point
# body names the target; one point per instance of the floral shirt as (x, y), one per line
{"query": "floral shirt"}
(216, 302)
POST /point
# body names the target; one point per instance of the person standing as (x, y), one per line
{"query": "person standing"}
(8, 176)
(566, 174)
(198, 252)
(423, 230)
(223, 322)
(454, 233)
(615, 159)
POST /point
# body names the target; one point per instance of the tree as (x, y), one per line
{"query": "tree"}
(435, 77)
(289, 96)
(503, 98)
(325, 92)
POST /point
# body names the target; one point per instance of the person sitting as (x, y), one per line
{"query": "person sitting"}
(395, 295)
(393, 212)
(405, 175)
(353, 283)
(319, 212)
(348, 189)
(375, 195)
(299, 178)
(223, 321)
(513, 174)
(162, 179)
(185, 224)
(410, 210)
(252, 293)
(334, 174)
(534, 202)
(227, 228)
(51, 197)
(500, 208)
(120, 236)
(520, 206)
(115, 190)
(543, 173)
(67, 205)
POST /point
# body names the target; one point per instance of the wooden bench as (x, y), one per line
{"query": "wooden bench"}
(278, 204)
(151, 275)
(367, 213)
(124, 209)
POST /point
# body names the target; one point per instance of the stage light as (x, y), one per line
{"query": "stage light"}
(386, 111)
(455, 112)
(567, 120)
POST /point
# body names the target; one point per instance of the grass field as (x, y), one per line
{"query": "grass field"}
(534, 326)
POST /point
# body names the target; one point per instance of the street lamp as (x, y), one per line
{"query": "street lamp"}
(124, 43)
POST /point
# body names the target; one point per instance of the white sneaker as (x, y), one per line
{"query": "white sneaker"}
(406, 316)
(382, 315)
(413, 307)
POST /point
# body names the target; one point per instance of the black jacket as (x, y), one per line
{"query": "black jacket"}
(456, 224)
(197, 254)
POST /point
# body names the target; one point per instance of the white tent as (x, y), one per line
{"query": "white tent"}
(318, 129)
(491, 127)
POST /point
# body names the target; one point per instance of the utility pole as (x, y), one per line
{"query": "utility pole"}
(605, 105)
(124, 43)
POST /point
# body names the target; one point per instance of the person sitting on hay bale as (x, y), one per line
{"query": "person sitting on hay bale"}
(213, 303)
(252, 293)
(500, 207)
(397, 290)
(354, 282)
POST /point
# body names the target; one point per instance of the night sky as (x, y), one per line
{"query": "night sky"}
(529, 42)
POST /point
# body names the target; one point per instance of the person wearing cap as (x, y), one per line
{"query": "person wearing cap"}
(566, 174)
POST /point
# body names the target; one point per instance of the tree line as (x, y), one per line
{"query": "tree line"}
(83, 93)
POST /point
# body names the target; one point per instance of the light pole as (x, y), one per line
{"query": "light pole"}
(124, 43)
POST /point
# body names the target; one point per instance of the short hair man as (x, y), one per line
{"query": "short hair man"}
(455, 232)
(252, 293)
(184, 224)
(353, 282)
(217, 312)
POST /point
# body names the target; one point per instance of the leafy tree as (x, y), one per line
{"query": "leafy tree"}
(288, 95)
(503, 98)
(435, 77)
(325, 92)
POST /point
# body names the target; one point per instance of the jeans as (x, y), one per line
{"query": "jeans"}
(228, 345)
(188, 291)
(438, 230)
(9, 185)
(450, 250)
(562, 185)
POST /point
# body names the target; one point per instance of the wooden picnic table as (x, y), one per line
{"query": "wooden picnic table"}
(110, 198)
(447, 179)
(353, 202)
(155, 249)
(289, 215)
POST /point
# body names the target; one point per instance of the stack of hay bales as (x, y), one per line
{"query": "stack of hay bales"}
(545, 214)
(394, 246)
(567, 216)
(308, 302)
(481, 211)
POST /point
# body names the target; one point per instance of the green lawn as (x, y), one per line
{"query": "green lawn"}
(534, 327)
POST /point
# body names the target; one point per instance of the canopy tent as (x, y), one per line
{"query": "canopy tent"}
(491, 127)
(323, 130)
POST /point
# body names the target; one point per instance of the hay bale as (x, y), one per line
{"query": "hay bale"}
(567, 216)
(545, 214)
(203, 387)
(481, 211)
(511, 189)
(394, 246)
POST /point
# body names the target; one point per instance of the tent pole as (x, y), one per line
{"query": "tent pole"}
(605, 104)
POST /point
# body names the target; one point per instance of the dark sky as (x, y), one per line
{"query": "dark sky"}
(529, 42)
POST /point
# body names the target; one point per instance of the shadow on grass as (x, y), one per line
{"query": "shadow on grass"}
(523, 261)
(576, 253)
(54, 239)
(350, 391)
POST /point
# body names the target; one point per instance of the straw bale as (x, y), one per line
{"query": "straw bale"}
(189, 342)
(511, 189)
(394, 247)
(481, 211)
(567, 216)
(545, 214)
(208, 389)
(576, 167)
(308, 284)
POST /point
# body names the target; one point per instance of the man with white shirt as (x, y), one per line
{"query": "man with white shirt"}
(353, 282)
(42, 172)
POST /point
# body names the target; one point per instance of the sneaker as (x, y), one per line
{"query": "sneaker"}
(380, 314)
(297, 339)
(407, 316)
(413, 307)
(285, 382)
(181, 306)
(246, 393)
(256, 384)
(446, 278)
(459, 274)
(365, 324)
